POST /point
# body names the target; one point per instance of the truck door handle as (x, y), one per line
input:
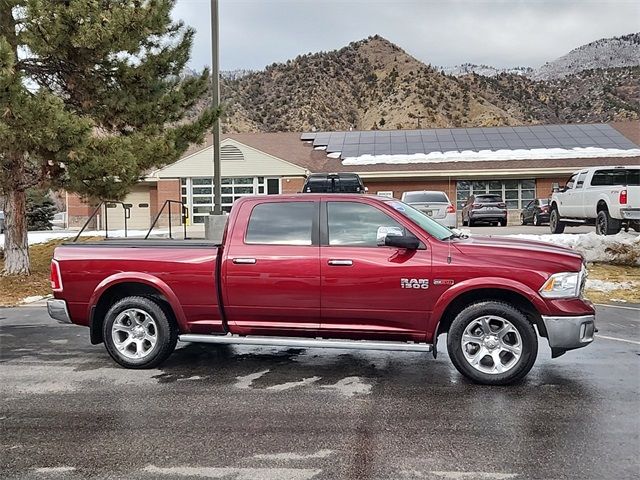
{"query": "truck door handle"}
(244, 261)
(340, 263)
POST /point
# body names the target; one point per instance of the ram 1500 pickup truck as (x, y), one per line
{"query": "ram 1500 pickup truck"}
(606, 196)
(329, 270)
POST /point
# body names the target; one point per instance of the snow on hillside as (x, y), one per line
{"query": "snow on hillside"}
(605, 53)
(484, 70)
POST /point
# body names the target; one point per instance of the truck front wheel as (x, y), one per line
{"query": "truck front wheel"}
(492, 343)
(555, 222)
(138, 333)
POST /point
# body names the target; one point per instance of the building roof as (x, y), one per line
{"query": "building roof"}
(492, 139)
(294, 148)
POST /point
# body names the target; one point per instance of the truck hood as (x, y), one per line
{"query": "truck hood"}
(522, 252)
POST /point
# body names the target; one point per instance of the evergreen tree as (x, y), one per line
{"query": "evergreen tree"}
(91, 96)
(40, 210)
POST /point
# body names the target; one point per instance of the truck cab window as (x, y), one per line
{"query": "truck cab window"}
(571, 182)
(281, 223)
(356, 224)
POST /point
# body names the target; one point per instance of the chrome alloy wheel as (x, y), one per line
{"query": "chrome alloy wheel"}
(134, 333)
(491, 344)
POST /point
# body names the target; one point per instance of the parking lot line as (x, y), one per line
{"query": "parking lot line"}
(618, 339)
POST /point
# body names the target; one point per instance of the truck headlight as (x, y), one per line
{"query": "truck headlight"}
(563, 285)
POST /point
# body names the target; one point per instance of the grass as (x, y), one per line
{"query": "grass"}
(614, 273)
(15, 288)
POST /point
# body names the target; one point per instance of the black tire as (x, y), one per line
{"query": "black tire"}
(465, 223)
(522, 220)
(166, 332)
(556, 225)
(471, 222)
(503, 223)
(536, 220)
(529, 343)
(605, 225)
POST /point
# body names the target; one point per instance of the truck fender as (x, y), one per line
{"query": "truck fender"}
(145, 278)
(453, 293)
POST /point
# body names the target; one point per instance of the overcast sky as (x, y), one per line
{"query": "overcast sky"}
(502, 33)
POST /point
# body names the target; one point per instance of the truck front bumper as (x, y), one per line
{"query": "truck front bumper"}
(58, 310)
(567, 333)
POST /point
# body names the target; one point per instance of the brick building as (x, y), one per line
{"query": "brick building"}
(519, 163)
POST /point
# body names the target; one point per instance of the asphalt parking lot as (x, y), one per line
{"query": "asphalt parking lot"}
(67, 411)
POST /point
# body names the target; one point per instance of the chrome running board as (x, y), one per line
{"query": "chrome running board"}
(298, 342)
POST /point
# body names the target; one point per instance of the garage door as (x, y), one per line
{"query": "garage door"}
(138, 200)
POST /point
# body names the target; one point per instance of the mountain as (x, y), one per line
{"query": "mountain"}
(485, 70)
(604, 53)
(373, 84)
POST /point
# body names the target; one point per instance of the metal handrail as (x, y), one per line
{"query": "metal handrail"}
(184, 216)
(106, 203)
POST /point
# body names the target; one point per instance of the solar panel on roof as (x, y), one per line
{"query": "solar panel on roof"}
(381, 142)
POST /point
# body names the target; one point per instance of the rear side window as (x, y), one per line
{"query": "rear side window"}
(281, 223)
(425, 197)
(618, 176)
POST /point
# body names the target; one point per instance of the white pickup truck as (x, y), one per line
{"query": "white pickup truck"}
(608, 197)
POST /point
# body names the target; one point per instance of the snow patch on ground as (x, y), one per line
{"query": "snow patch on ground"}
(606, 286)
(623, 248)
(350, 386)
(44, 237)
(32, 299)
(334, 155)
(491, 155)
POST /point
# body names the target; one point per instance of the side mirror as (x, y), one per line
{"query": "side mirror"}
(410, 243)
(395, 237)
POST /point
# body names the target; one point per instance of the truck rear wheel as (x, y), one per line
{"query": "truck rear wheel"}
(555, 222)
(138, 333)
(492, 343)
(605, 225)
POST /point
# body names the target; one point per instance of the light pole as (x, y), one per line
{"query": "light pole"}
(215, 103)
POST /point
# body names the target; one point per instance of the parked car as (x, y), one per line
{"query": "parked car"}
(434, 204)
(536, 212)
(333, 183)
(606, 196)
(486, 208)
(333, 271)
(1, 221)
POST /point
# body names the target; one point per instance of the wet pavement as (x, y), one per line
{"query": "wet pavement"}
(68, 412)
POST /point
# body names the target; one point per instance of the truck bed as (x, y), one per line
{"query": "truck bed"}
(184, 271)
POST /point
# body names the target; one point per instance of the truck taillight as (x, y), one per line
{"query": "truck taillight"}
(56, 278)
(451, 209)
(623, 197)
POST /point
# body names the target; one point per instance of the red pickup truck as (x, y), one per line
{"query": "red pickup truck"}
(329, 270)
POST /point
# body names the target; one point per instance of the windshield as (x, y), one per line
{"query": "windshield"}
(425, 197)
(432, 227)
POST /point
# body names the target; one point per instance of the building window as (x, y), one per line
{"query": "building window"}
(197, 192)
(516, 193)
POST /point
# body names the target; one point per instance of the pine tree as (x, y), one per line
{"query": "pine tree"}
(91, 96)
(40, 210)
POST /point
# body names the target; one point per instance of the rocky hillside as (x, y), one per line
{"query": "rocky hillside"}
(604, 53)
(375, 84)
